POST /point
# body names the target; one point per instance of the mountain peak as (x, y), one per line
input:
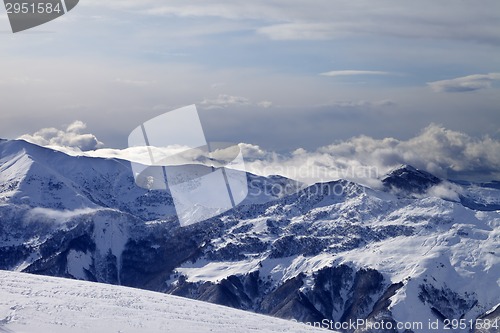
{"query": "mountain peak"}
(410, 179)
(405, 167)
(12, 147)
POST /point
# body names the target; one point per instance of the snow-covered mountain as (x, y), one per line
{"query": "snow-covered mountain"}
(30, 303)
(419, 249)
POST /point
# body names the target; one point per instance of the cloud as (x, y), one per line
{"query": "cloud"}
(298, 31)
(443, 152)
(438, 150)
(353, 72)
(361, 103)
(446, 153)
(465, 83)
(224, 101)
(320, 20)
(265, 104)
(52, 215)
(70, 138)
(447, 191)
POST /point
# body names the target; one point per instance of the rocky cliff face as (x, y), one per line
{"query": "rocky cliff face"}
(328, 254)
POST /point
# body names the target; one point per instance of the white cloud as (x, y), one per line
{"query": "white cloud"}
(205, 10)
(59, 216)
(265, 104)
(361, 103)
(446, 190)
(76, 127)
(443, 152)
(465, 83)
(353, 73)
(298, 31)
(224, 101)
(70, 138)
(324, 19)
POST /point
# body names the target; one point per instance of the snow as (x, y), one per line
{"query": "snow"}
(39, 304)
(110, 237)
(31, 259)
(452, 248)
(433, 239)
(78, 262)
(58, 216)
(13, 170)
(204, 270)
(484, 195)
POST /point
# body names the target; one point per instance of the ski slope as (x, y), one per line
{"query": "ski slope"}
(30, 303)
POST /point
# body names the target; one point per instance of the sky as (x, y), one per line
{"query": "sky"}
(284, 77)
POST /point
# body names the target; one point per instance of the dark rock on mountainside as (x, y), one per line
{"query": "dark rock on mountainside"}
(408, 179)
(338, 293)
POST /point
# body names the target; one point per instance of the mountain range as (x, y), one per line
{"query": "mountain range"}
(415, 251)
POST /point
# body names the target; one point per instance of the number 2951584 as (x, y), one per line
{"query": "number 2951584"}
(33, 8)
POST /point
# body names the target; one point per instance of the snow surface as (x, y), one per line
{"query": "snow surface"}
(451, 248)
(429, 239)
(30, 303)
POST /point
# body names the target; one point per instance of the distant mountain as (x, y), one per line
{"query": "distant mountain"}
(410, 182)
(407, 178)
(335, 251)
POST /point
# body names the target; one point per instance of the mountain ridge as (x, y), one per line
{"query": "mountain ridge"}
(335, 251)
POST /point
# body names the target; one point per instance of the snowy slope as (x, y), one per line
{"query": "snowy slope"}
(31, 303)
(39, 177)
(33, 176)
(420, 248)
(444, 256)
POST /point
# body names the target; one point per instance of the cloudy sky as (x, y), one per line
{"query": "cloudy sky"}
(277, 74)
